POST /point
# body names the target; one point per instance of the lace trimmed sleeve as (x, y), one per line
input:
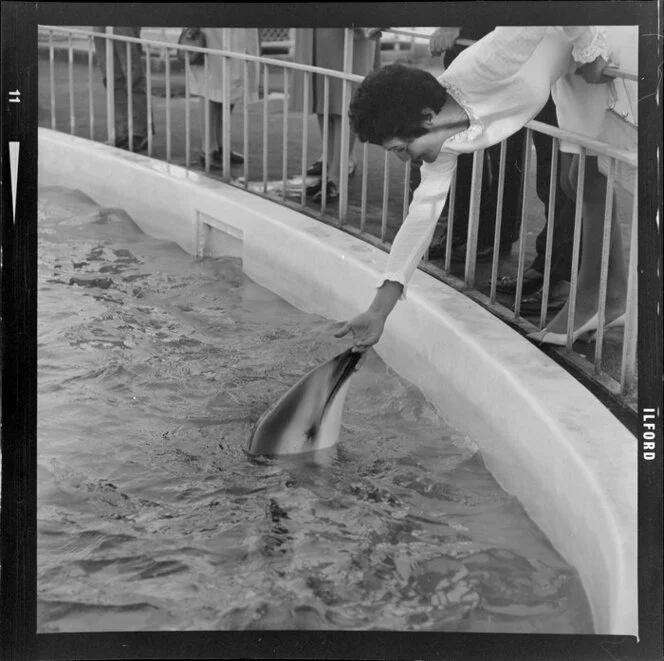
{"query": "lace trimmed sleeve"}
(588, 42)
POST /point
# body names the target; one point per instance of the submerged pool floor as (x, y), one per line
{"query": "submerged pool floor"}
(152, 369)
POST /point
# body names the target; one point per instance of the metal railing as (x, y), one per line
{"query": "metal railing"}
(391, 211)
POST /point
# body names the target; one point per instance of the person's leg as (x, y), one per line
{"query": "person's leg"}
(131, 76)
(587, 298)
(214, 137)
(119, 87)
(563, 226)
(511, 213)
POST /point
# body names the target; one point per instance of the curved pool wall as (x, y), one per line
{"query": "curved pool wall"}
(545, 438)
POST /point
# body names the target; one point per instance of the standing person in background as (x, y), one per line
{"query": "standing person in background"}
(241, 40)
(324, 47)
(138, 141)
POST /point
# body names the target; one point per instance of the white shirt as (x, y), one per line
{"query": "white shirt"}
(502, 82)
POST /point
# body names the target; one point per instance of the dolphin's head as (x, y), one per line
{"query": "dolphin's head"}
(308, 416)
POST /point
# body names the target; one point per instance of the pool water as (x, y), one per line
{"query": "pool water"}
(153, 366)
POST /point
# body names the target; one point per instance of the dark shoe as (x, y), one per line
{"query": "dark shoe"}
(140, 143)
(236, 159)
(215, 161)
(484, 253)
(558, 294)
(315, 169)
(331, 193)
(532, 281)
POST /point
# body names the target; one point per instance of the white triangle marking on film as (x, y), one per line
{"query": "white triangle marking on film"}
(13, 169)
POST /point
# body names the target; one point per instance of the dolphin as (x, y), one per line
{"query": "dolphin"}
(308, 416)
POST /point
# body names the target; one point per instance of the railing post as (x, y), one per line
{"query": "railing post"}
(305, 134)
(72, 110)
(245, 123)
(630, 337)
(284, 144)
(51, 63)
(167, 61)
(266, 87)
(226, 108)
(551, 219)
(91, 107)
(499, 220)
(521, 267)
(206, 114)
(326, 132)
(130, 99)
(604, 265)
(576, 247)
(187, 113)
(474, 217)
(345, 126)
(110, 85)
(148, 92)
(386, 195)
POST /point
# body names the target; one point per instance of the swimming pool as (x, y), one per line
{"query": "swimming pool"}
(152, 368)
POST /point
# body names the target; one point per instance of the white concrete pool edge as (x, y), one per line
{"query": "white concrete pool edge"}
(546, 439)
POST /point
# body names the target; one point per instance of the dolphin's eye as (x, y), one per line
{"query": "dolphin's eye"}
(311, 433)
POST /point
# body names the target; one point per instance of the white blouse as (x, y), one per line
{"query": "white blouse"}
(502, 82)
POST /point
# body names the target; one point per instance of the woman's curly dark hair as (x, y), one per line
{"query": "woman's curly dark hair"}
(390, 101)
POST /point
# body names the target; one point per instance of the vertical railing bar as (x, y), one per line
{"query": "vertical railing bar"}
(326, 121)
(345, 128)
(187, 113)
(499, 220)
(226, 109)
(521, 266)
(386, 192)
(167, 57)
(245, 123)
(450, 221)
(305, 135)
(576, 246)
(51, 62)
(604, 265)
(630, 336)
(406, 188)
(148, 70)
(72, 111)
(550, 221)
(109, 44)
(266, 81)
(91, 106)
(284, 147)
(130, 100)
(206, 113)
(474, 217)
(363, 208)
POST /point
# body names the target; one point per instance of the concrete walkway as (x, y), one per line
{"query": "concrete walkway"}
(84, 84)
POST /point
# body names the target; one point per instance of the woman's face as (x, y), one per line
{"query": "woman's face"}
(424, 148)
(438, 126)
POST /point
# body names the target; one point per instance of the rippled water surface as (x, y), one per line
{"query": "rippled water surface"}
(152, 369)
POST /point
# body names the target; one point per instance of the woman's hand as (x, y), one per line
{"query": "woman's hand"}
(367, 328)
(443, 39)
(593, 72)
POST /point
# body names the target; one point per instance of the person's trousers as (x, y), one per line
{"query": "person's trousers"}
(121, 76)
(563, 226)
